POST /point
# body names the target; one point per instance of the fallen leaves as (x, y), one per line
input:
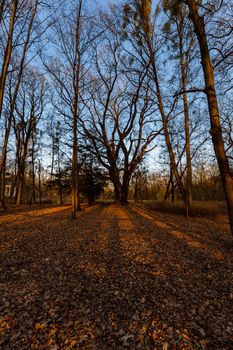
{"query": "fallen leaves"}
(114, 279)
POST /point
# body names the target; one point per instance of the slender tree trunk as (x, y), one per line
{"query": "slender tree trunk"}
(40, 182)
(74, 169)
(77, 67)
(59, 174)
(187, 131)
(167, 191)
(172, 187)
(20, 183)
(216, 130)
(53, 153)
(2, 80)
(20, 187)
(7, 54)
(33, 172)
(2, 8)
(21, 171)
(3, 186)
(5, 144)
(165, 122)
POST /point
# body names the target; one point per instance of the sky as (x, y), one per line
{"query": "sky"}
(104, 2)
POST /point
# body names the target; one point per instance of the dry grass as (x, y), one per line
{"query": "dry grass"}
(198, 209)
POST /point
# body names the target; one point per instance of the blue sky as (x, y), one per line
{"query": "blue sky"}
(104, 2)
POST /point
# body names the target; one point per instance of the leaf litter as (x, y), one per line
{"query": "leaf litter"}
(118, 277)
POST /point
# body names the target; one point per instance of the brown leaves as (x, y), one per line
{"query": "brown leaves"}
(114, 280)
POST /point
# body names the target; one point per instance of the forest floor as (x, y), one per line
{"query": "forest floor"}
(116, 278)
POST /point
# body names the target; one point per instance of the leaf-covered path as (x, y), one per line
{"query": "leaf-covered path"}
(116, 278)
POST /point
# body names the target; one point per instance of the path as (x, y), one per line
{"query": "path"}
(116, 278)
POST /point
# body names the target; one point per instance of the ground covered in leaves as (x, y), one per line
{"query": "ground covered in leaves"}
(115, 278)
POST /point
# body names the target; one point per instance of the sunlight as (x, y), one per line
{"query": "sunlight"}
(204, 248)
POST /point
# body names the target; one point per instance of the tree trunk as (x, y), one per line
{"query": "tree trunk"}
(77, 67)
(20, 183)
(7, 54)
(216, 130)
(3, 186)
(117, 190)
(2, 8)
(165, 122)
(125, 190)
(33, 173)
(40, 182)
(121, 190)
(2, 81)
(187, 130)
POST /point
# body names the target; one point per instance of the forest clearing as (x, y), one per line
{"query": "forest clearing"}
(118, 277)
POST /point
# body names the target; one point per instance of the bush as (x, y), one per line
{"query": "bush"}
(198, 209)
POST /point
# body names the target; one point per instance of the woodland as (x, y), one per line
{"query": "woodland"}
(116, 174)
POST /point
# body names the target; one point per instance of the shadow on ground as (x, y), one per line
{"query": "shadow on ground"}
(113, 279)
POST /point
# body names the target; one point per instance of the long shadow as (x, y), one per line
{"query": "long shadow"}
(197, 283)
(83, 286)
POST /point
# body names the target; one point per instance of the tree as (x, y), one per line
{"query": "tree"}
(210, 91)
(178, 31)
(140, 29)
(119, 109)
(19, 66)
(29, 110)
(72, 38)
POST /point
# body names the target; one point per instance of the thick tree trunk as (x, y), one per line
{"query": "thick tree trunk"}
(216, 130)
(121, 190)
(117, 190)
(125, 191)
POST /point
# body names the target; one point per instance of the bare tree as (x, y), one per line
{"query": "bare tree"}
(73, 37)
(141, 31)
(119, 122)
(29, 110)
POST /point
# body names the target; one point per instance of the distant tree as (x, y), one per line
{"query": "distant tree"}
(29, 110)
